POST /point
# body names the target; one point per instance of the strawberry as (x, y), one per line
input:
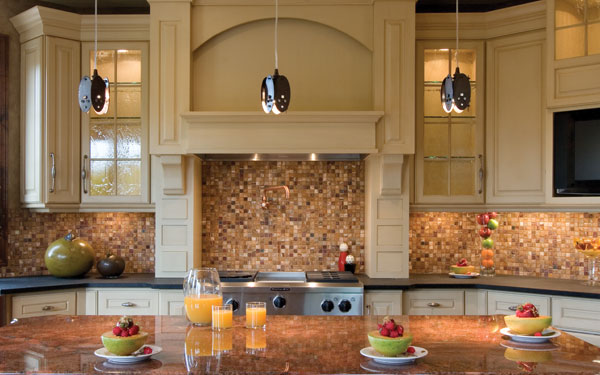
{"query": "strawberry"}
(147, 350)
(537, 334)
(410, 350)
(394, 334)
(117, 331)
(400, 330)
(379, 326)
(124, 333)
(384, 332)
(390, 326)
(134, 330)
(527, 310)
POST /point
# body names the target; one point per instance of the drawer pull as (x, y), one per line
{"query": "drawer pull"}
(433, 304)
(128, 304)
(513, 308)
(47, 308)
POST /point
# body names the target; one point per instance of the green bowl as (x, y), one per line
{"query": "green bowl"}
(388, 346)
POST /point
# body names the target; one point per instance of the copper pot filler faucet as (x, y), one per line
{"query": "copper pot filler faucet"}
(264, 203)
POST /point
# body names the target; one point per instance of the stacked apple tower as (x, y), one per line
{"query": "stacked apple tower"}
(489, 223)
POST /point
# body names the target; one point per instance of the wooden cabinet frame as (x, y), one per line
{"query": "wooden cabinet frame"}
(3, 147)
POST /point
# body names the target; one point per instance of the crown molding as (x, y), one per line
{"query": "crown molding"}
(129, 27)
(507, 21)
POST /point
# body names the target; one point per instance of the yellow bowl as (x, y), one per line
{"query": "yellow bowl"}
(527, 326)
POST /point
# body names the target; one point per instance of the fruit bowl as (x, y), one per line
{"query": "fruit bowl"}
(123, 345)
(388, 346)
(461, 270)
(527, 326)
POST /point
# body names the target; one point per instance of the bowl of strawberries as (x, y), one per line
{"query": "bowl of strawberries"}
(390, 339)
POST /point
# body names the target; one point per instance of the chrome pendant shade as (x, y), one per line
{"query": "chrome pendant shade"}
(275, 91)
(455, 92)
(94, 91)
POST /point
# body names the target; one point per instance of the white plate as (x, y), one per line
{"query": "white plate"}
(464, 275)
(547, 334)
(369, 352)
(104, 353)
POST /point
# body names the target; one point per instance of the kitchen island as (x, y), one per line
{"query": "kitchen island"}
(292, 344)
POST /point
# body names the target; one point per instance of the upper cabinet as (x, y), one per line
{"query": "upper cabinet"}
(449, 156)
(50, 122)
(516, 116)
(72, 160)
(573, 32)
(115, 145)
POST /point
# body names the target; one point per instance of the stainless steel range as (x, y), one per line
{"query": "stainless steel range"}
(294, 293)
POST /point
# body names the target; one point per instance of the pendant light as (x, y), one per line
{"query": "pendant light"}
(275, 90)
(94, 91)
(456, 91)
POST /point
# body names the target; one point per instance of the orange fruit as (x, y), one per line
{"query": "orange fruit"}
(487, 263)
(487, 254)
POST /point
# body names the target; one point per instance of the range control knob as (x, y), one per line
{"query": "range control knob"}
(327, 305)
(279, 302)
(235, 305)
(345, 305)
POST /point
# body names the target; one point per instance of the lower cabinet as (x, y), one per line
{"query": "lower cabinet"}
(576, 314)
(29, 305)
(434, 302)
(170, 302)
(127, 302)
(507, 302)
(383, 302)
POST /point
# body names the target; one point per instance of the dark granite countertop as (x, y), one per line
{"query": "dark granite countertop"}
(292, 345)
(571, 288)
(131, 280)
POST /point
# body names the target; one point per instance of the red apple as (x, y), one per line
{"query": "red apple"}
(493, 215)
(485, 232)
(483, 219)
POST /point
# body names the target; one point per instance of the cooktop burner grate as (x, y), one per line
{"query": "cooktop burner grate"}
(237, 276)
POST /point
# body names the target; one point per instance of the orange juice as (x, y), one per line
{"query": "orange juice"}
(198, 342)
(256, 317)
(222, 341)
(256, 339)
(222, 319)
(198, 308)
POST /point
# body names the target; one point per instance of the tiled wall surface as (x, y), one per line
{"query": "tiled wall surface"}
(326, 207)
(130, 235)
(530, 244)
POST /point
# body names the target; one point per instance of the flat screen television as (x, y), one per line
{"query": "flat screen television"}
(576, 166)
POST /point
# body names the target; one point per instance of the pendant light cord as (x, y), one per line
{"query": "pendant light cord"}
(95, 32)
(276, 21)
(456, 53)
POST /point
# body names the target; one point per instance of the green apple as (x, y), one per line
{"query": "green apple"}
(492, 224)
(488, 243)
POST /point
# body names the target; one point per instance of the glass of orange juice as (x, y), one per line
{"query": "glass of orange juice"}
(222, 317)
(202, 291)
(256, 315)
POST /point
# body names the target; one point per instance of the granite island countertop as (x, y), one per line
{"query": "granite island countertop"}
(572, 288)
(292, 345)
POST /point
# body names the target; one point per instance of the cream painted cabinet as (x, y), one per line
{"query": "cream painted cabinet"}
(449, 158)
(29, 305)
(127, 302)
(507, 302)
(516, 106)
(171, 302)
(50, 122)
(577, 314)
(383, 302)
(433, 302)
(114, 158)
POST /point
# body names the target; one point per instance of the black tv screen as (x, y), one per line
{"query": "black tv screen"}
(576, 169)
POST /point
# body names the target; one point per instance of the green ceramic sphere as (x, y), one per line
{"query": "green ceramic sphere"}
(69, 257)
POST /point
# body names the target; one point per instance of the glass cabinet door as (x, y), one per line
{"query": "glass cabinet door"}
(115, 151)
(449, 155)
(576, 28)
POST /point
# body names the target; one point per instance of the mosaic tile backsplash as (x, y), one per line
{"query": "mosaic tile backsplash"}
(130, 235)
(326, 207)
(527, 244)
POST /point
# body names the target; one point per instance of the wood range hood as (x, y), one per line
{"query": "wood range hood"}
(351, 66)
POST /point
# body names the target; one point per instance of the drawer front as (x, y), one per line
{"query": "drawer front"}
(41, 304)
(434, 302)
(576, 313)
(127, 302)
(506, 302)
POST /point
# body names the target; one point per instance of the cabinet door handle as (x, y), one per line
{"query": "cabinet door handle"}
(433, 304)
(513, 308)
(481, 174)
(84, 174)
(47, 308)
(52, 172)
(128, 304)
(368, 308)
